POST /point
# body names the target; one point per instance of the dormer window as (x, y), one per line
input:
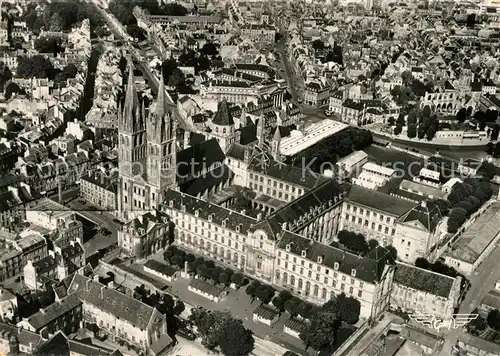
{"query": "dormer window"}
(304, 253)
(237, 228)
(183, 208)
(320, 259)
(196, 213)
(336, 266)
(353, 272)
(288, 247)
(171, 203)
(224, 223)
(210, 218)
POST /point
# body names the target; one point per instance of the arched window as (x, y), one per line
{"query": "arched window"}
(277, 275)
(285, 277)
(323, 293)
(301, 284)
(292, 280)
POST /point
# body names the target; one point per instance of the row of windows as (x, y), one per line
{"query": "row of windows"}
(306, 287)
(300, 270)
(272, 193)
(366, 224)
(367, 213)
(287, 187)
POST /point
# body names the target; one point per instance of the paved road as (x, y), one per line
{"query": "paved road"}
(118, 30)
(100, 219)
(481, 281)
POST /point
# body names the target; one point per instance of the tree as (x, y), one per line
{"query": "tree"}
(304, 309)
(490, 148)
(426, 112)
(461, 115)
(179, 307)
(220, 329)
(264, 294)
(391, 121)
(176, 78)
(398, 129)
(372, 243)
(321, 332)
(234, 339)
(12, 88)
(35, 67)
(5, 75)
(487, 170)
(494, 132)
(477, 325)
(456, 219)
(190, 257)
(279, 304)
(318, 45)
(496, 152)
(433, 127)
(223, 278)
(412, 131)
(202, 271)
(401, 120)
(347, 308)
(493, 319)
(292, 307)
(210, 49)
(237, 279)
(52, 45)
(252, 289)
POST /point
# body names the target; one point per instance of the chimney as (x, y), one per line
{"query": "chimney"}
(102, 291)
(423, 204)
(87, 285)
(259, 216)
(96, 278)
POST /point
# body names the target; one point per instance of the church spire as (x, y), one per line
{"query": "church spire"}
(160, 100)
(131, 101)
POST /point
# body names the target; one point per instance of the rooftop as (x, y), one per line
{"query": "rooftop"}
(53, 311)
(206, 287)
(379, 201)
(299, 141)
(266, 165)
(109, 300)
(421, 279)
(191, 205)
(471, 244)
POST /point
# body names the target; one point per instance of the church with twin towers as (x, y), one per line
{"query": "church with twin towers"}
(146, 150)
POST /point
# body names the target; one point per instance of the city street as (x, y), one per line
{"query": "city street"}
(482, 280)
(94, 219)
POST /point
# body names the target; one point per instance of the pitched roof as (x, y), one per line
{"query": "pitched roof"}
(379, 201)
(265, 164)
(160, 267)
(206, 287)
(176, 200)
(107, 299)
(193, 160)
(424, 280)
(427, 214)
(222, 116)
(265, 312)
(53, 311)
(82, 348)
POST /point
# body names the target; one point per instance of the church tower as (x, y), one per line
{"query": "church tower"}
(131, 148)
(161, 137)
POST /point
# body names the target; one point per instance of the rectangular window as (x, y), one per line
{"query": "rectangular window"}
(360, 293)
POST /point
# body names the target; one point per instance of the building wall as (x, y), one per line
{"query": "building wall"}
(97, 195)
(274, 188)
(318, 284)
(372, 223)
(412, 242)
(411, 301)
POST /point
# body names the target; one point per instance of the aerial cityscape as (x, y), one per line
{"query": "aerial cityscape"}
(258, 177)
